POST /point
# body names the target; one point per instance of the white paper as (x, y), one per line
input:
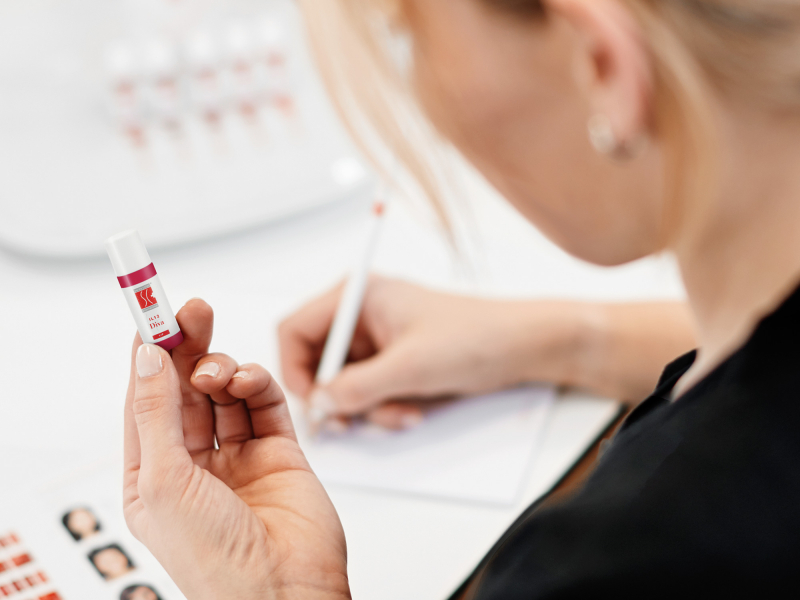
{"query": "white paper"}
(477, 449)
(36, 522)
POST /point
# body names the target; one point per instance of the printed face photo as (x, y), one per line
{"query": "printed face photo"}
(111, 561)
(139, 592)
(81, 523)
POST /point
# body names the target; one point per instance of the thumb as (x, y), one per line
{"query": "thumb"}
(157, 412)
(367, 383)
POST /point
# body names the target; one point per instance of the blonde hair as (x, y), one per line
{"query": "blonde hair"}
(746, 47)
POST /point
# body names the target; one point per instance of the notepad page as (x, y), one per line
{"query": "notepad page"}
(476, 449)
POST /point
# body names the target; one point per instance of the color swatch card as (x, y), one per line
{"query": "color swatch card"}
(476, 449)
(21, 576)
(69, 541)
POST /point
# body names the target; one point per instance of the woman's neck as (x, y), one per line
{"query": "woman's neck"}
(745, 259)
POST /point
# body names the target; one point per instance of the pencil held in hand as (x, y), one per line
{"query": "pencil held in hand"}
(344, 323)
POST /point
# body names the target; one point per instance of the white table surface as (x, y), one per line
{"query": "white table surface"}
(65, 341)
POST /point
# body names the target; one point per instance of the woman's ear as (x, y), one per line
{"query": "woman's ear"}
(612, 64)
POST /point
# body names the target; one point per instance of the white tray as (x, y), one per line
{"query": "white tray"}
(69, 177)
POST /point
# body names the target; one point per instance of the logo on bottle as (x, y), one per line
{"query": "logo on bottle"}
(144, 296)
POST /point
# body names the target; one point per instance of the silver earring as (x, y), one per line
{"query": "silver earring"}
(601, 134)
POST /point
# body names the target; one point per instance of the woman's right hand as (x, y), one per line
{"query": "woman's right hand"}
(412, 343)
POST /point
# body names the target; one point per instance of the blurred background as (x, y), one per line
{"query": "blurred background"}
(203, 124)
(146, 113)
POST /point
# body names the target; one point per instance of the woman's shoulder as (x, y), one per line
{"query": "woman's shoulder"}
(698, 505)
(697, 493)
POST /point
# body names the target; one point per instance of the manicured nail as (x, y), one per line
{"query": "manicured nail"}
(210, 369)
(410, 420)
(240, 375)
(148, 361)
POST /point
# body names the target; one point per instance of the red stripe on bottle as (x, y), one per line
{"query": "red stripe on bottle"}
(137, 276)
(171, 342)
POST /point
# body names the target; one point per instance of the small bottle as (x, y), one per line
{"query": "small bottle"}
(143, 290)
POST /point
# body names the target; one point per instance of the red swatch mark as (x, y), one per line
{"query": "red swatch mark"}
(21, 559)
(50, 596)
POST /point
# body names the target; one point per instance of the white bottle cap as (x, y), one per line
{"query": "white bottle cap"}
(127, 252)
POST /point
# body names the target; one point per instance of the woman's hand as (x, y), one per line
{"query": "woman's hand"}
(416, 344)
(246, 520)
(412, 343)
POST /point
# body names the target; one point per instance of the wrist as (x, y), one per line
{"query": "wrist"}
(556, 340)
(586, 364)
(307, 582)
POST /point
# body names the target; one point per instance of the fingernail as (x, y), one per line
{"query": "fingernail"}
(335, 425)
(240, 375)
(148, 361)
(320, 407)
(410, 420)
(210, 369)
(321, 401)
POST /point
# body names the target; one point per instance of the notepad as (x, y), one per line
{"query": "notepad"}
(476, 449)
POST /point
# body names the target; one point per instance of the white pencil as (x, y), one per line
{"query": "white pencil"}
(340, 336)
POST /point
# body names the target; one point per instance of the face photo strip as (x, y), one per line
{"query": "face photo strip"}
(139, 591)
(81, 523)
(111, 561)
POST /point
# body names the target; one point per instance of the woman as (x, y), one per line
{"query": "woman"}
(81, 523)
(691, 108)
(111, 561)
(138, 592)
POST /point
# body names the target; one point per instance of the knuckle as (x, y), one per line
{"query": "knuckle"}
(257, 369)
(271, 387)
(256, 381)
(148, 407)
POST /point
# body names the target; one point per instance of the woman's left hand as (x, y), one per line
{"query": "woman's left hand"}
(246, 520)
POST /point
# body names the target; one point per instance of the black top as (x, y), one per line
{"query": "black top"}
(700, 495)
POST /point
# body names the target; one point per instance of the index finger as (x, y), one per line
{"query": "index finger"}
(196, 320)
(301, 338)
